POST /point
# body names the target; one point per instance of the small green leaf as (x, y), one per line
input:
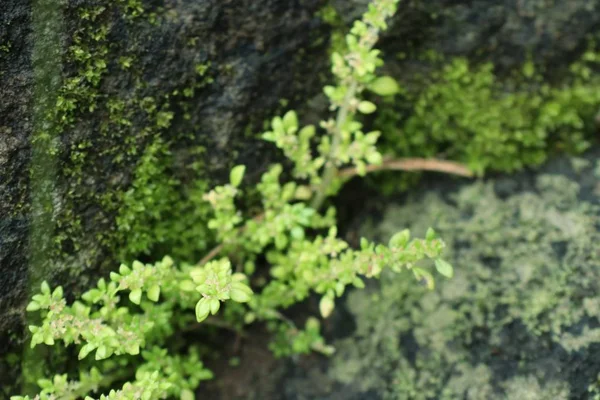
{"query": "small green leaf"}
(361, 168)
(374, 158)
(326, 306)
(45, 288)
(240, 292)
(268, 136)
(101, 353)
(137, 265)
(36, 339)
(528, 69)
(384, 86)
(124, 270)
(236, 175)
(303, 192)
(33, 306)
(154, 293)
(290, 121)
(215, 304)
(430, 235)
(307, 132)
(58, 293)
(249, 318)
(364, 243)
(187, 394)
(136, 296)
(85, 350)
(277, 125)
(357, 282)
(187, 286)
(45, 383)
(444, 268)
(366, 107)
(400, 239)
(202, 309)
(48, 339)
(133, 349)
(297, 233)
(239, 296)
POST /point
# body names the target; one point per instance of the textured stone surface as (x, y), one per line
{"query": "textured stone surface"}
(259, 53)
(15, 124)
(503, 31)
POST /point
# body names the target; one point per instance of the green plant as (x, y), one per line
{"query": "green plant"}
(131, 336)
(466, 113)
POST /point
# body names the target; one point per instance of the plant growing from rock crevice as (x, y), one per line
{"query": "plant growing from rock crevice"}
(130, 336)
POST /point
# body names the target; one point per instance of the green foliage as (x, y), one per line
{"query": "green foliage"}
(150, 196)
(467, 113)
(102, 323)
(132, 336)
(216, 283)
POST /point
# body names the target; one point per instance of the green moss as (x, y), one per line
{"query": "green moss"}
(158, 211)
(145, 202)
(5, 47)
(520, 317)
(466, 113)
(125, 218)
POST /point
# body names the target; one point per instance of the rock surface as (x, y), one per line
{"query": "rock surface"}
(90, 89)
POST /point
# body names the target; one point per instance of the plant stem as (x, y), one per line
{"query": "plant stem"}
(211, 254)
(413, 164)
(216, 250)
(330, 167)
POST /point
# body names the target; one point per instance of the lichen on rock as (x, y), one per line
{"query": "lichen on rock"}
(519, 319)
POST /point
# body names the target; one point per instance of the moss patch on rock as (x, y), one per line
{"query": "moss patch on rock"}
(467, 113)
(520, 319)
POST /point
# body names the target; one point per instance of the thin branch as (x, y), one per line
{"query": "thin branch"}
(330, 168)
(413, 164)
(211, 254)
(216, 250)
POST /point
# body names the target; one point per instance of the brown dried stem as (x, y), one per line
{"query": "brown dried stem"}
(413, 164)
